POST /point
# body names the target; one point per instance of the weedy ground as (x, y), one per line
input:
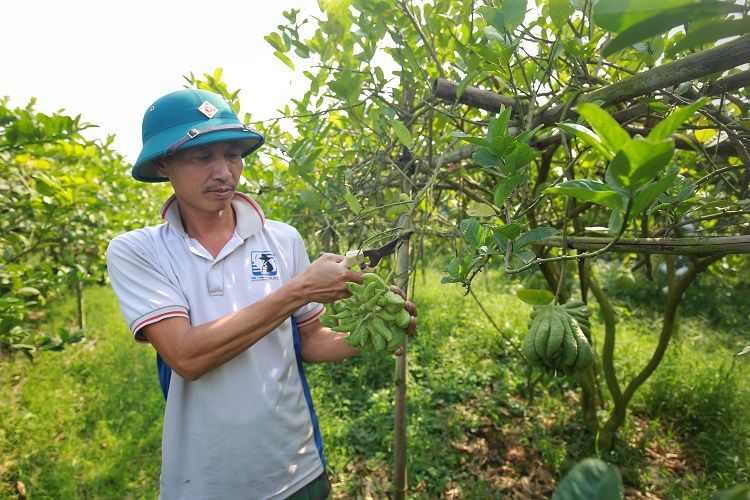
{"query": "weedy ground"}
(86, 422)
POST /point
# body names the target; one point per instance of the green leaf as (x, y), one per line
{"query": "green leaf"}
(535, 297)
(665, 21)
(587, 136)
(498, 127)
(508, 232)
(284, 59)
(501, 146)
(739, 491)
(311, 199)
(301, 49)
(453, 271)
(588, 190)
(710, 33)
(514, 12)
(560, 12)
(611, 134)
(500, 241)
(307, 162)
(616, 220)
(485, 158)
(667, 207)
(403, 134)
(504, 188)
(480, 210)
(637, 163)
(276, 42)
(534, 236)
(465, 81)
(471, 139)
(525, 256)
(654, 105)
(459, 269)
(28, 290)
(353, 203)
(521, 156)
(665, 128)
(396, 210)
(445, 280)
(485, 52)
(525, 137)
(618, 15)
(346, 86)
(648, 194)
(573, 46)
(472, 232)
(591, 478)
(494, 18)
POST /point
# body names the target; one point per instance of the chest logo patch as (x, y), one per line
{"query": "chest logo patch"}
(264, 266)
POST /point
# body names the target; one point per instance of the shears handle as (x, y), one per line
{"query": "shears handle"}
(356, 258)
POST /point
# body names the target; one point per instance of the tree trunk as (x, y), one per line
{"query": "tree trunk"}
(707, 62)
(79, 296)
(447, 90)
(605, 439)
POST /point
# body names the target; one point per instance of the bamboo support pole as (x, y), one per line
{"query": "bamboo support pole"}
(700, 246)
(400, 416)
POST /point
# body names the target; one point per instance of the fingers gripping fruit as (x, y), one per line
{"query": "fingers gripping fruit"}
(374, 316)
(557, 337)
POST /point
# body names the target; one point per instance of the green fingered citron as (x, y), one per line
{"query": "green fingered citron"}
(557, 337)
(374, 315)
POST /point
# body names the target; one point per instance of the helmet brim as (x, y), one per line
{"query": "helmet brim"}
(154, 148)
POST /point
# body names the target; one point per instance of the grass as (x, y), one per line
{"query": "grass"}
(86, 422)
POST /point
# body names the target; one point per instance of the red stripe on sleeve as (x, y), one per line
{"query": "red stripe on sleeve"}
(158, 317)
(312, 318)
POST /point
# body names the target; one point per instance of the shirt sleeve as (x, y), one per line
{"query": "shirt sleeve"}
(312, 311)
(144, 292)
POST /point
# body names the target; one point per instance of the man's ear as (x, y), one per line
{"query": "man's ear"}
(160, 167)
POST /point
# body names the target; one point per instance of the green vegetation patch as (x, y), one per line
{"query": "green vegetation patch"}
(86, 422)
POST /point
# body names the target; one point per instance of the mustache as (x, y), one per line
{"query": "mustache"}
(221, 185)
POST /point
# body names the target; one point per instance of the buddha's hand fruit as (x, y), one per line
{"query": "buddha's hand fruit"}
(374, 316)
(625, 278)
(557, 337)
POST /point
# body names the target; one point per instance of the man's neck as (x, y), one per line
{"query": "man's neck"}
(213, 229)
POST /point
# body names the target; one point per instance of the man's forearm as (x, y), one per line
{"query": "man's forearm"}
(193, 351)
(320, 344)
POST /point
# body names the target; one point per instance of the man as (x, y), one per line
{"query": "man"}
(232, 304)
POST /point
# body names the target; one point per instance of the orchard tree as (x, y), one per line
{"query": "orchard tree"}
(57, 192)
(538, 136)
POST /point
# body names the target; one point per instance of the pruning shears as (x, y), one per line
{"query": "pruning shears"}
(373, 255)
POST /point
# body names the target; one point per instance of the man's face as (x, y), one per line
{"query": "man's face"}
(204, 177)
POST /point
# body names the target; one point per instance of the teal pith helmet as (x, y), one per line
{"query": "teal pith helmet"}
(185, 119)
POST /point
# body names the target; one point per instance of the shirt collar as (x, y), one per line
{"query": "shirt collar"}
(250, 217)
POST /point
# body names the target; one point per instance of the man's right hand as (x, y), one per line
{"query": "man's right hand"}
(324, 281)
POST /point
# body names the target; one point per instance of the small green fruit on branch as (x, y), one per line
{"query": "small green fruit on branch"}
(374, 315)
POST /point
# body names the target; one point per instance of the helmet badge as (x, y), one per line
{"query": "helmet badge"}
(208, 109)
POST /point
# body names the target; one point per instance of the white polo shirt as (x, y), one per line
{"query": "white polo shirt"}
(247, 429)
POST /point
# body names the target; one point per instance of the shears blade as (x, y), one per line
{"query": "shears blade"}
(374, 255)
